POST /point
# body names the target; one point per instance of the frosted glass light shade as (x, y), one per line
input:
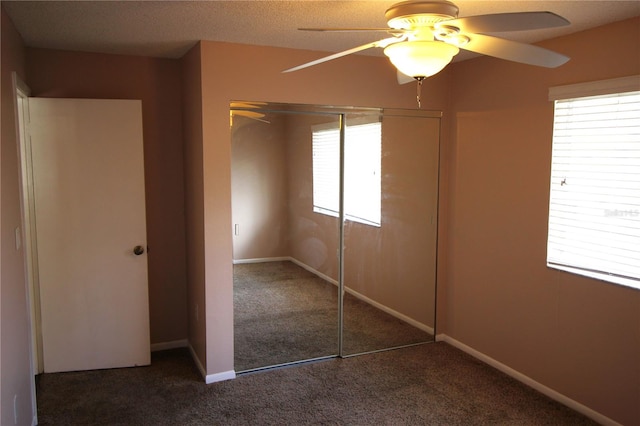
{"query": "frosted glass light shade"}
(420, 58)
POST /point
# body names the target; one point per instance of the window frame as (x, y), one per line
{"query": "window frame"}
(576, 91)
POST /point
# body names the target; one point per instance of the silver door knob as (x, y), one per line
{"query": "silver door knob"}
(138, 250)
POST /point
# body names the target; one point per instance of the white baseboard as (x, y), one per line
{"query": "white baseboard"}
(211, 378)
(219, 377)
(163, 346)
(261, 260)
(393, 313)
(574, 405)
(313, 271)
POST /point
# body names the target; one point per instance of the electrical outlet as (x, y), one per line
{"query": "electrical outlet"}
(236, 229)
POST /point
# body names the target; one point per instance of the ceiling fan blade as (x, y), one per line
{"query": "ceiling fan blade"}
(380, 43)
(514, 51)
(403, 78)
(346, 29)
(499, 22)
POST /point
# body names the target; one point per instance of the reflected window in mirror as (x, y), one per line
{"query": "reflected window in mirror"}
(362, 168)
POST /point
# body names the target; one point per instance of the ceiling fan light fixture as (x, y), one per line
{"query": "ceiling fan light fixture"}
(420, 59)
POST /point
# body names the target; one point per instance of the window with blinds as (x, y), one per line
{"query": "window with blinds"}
(362, 163)
(594, 208)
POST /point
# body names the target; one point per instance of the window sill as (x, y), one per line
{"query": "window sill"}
(627, 282)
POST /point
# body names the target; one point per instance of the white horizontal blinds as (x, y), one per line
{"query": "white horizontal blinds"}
(326, 170)
(361, 171)
(594, 212)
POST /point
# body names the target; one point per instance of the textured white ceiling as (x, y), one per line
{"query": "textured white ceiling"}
(169, 28)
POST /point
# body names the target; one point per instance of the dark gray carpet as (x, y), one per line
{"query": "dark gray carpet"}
(284, 313)
(432, 384)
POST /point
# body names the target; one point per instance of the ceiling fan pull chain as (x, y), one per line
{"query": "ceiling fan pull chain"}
(419, 91)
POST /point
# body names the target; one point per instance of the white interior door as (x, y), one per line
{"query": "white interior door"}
(88, 178)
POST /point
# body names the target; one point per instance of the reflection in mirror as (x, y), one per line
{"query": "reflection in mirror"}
(291, 254)
(285, 255)
(390, 262)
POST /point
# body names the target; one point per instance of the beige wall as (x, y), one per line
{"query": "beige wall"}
(259, 176)
(157, 82)
(233, 71)
(578, 336)
(194, 207)
(15, 365)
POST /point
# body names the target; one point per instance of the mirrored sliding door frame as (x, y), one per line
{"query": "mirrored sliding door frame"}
(341, 113)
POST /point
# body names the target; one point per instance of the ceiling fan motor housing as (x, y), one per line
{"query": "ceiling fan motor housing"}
(412, 14)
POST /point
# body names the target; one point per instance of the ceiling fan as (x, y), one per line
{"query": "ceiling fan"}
(426, 35)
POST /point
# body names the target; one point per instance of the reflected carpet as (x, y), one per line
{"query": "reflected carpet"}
(284, 313)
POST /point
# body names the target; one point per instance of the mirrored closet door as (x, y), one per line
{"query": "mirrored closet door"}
(285, 255)
(390, 256)
(334, 222)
